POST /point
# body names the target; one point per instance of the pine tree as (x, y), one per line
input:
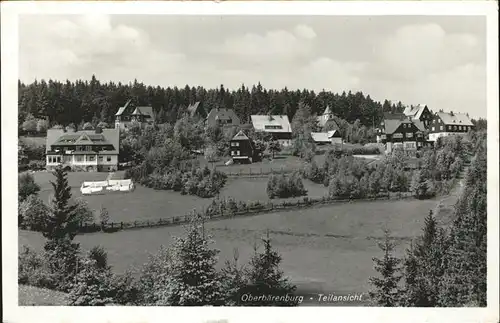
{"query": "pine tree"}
(266, 278)
(424, 266)
(386, 290)
(62, 222)
(193, 279)
(234, 281)
(60, 227)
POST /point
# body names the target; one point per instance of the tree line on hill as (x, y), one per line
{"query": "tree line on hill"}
(84, 101)
(183, 274)
(445, 266)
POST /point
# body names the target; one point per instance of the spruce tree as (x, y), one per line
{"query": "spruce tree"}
(193, 279)
(62, 222)
(424, 266)
(266, 278)
(386, 291)
(60, 227)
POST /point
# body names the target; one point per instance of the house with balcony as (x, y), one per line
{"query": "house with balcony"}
(222, 117)
(399, 132)
(277, 126)
(88, 150)
(128, 114)
(446, 124)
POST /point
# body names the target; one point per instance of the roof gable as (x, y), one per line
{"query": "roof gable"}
(240, 136)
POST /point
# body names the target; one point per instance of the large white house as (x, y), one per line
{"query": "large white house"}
(277, 126)
(87, 150)
(446, 124)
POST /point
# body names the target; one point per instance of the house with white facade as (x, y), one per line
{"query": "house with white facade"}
(446, 124)
(88, 150)
(278, 126)
(128, 114)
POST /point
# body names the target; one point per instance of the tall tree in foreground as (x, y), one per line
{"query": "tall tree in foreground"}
(60, 227)
(464, 281)
(424, 266)
(266, 278)
(193, 279)
(385, 290)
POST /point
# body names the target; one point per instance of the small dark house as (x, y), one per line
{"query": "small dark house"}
(242, 148)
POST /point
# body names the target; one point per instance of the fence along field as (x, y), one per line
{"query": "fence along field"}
(324, 249)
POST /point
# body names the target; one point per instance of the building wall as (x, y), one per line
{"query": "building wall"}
(83, 161)
(241, 148)
(336, 140)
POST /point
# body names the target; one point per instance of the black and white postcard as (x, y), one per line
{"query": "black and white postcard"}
(230, 161)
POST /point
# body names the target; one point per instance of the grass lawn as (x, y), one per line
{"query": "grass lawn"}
(34, 296)
(280, 162)
(326, 249)
(147, 204)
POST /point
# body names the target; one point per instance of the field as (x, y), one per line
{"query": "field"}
(326, 249)
(145, 203)
(29, 295)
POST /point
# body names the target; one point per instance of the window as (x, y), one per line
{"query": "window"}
(409, 135)
(237, 152)
(100, 158)
(229, 121)
(273, 127)
(90, 158)
(419, 144)
(454, 127)
(433, 128)
(232, 152)
(440, 127)
(108, 158)
(397, 135)
(79, 158)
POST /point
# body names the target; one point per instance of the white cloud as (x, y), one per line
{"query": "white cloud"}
(304, 31)
(274, 45)
(414, 51)
(79, 46)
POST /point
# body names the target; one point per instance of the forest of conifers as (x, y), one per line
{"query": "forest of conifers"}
(86, 101)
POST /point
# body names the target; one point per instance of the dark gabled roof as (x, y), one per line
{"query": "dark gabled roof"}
(85, 137)
(240, 136)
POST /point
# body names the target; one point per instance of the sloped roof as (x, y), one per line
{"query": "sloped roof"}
(320, 136)
(419, 124)
(240, 136)
(455, 119)
(144, 111)
(328, 110)
(260, 122)
(122, 109)
(222, 114)
(415, 111)
(86, 137)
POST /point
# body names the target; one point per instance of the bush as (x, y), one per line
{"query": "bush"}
(283, 186)
(33, 270)
(32, 213)
(36, 165)
(27, 186)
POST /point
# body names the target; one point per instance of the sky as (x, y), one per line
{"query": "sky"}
(439, 61)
